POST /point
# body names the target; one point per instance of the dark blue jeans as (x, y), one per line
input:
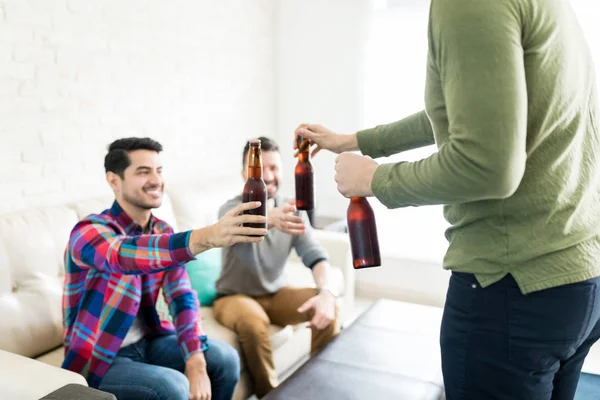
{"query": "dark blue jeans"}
(152, 369)
(500, 344)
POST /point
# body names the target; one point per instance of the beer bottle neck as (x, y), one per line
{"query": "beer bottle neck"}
(304, 156)
(303, 150)
(255, 172)
(254, 163)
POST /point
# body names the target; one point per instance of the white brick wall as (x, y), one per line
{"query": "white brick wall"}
(197, 75)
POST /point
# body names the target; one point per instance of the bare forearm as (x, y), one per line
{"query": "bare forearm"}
(200, 240)
(322, 274)
(349, 142)
(196, 362)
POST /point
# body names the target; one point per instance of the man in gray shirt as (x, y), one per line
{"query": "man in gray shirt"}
(253, 291)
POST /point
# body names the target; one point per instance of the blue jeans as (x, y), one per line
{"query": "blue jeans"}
(500, 344)
(152, 369)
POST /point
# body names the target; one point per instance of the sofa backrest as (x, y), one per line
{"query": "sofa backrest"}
(32, 245)
(196, 205)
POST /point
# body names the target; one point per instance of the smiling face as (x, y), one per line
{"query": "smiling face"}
(142, 185)
(272, 169)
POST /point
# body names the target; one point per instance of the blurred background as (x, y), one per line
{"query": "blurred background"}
(202, 77)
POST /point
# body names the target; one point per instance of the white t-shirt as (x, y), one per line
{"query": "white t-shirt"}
(135, 333)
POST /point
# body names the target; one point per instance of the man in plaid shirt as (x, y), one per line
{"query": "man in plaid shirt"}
(116, 264)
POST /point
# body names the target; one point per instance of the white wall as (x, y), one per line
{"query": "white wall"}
(394, 88)
(197, 75)
(348, 65)
(588, 13)
(319, 67)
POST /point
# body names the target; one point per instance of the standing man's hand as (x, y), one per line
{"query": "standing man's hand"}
(354, 174)
(195, 371)
(323, 306)
(285, 220)
(324, 138)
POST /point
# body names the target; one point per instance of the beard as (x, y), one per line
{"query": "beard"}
(138, 201)
(274, 194)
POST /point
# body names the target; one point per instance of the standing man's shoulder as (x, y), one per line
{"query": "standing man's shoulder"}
(457, 12)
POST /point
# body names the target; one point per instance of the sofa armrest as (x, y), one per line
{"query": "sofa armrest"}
(25, 378)
(337, 245)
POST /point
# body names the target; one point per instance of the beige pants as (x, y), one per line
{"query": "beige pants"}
(249, 318)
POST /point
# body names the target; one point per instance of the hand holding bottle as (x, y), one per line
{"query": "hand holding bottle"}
(323, 138)
(354, 174)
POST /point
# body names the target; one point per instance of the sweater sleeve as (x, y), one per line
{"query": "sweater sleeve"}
(409, 133)
(476, 48)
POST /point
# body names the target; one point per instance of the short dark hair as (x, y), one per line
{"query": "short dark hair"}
(117, 160)
(266, 144)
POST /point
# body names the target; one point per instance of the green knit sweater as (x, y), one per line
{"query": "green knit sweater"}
(511, 102)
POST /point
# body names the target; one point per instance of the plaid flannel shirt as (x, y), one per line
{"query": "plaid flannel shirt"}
(113, 271)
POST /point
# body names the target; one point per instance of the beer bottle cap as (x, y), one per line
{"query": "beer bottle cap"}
(302, 143)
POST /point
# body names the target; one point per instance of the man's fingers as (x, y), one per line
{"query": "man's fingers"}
(247, 231)
(296, 134)
(306, 306)
(292, 219)
(247, 239)
(289, 208)
(294, 227)
(251, 205)
(299, 230)
(250, 219)
(316, 322)
(321, 321)
(306, 133)
(315, 151)
(295, 232)
(299, 132)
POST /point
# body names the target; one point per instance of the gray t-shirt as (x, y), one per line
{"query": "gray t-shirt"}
(257, 269)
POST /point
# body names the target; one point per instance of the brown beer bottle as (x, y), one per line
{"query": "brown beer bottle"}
(363, 234)
(305, 199)
(255, 188)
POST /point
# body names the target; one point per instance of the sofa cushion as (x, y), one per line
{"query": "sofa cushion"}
(298, 275)
(204, 272)
(279, 335)
(32, 246)
(54, 357)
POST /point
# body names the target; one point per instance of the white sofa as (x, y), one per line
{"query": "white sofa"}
(32, 244)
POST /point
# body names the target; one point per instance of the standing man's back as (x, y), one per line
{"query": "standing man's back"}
(511, 101)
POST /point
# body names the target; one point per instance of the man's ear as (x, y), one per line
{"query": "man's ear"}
(113, 180)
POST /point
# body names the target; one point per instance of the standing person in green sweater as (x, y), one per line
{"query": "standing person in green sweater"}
(511, 102)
